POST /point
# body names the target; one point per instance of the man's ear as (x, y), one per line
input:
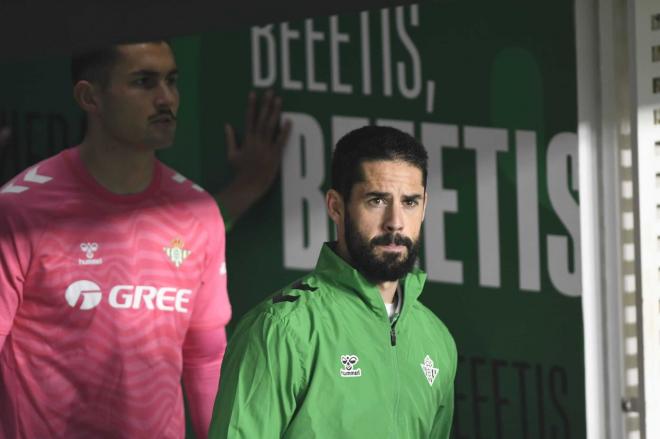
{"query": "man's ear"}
(86, 95)
(334, 203)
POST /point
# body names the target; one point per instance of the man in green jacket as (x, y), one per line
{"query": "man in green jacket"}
(348, 351)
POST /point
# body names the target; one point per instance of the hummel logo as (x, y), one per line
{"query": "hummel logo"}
(89, 248)
(177, 253)
(32, 176)
(430, 372)
(348, 366)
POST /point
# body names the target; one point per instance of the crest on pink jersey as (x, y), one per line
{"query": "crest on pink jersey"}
(176, 253)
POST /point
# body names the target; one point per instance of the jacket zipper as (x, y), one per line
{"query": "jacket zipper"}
(395, 319)
(395, 362)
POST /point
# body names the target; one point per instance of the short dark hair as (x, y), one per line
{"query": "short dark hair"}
(94, 65)
(373, 143)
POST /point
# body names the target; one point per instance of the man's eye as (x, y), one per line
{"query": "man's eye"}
(172, 80)
(411, 203)
(376, 201)
(143, 82)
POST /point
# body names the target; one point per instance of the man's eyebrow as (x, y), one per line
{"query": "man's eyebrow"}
(412, 197)
(147, 72)
(377, 194)
(144, 72)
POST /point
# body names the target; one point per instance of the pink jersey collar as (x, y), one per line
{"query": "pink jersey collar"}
(72, 157)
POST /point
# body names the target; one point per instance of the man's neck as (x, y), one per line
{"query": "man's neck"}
(387, 289)
(119, 168)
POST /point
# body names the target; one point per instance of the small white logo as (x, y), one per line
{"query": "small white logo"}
(177, 253)
(89, 248)
(223, 269)
(348, 369)
(91, 294)
(430, 372)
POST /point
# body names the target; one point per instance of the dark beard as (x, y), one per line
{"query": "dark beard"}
(379, 268)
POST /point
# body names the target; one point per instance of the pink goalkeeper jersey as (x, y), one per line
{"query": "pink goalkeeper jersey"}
(98, 295)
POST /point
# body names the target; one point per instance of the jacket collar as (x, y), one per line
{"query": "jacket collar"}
(333, 269)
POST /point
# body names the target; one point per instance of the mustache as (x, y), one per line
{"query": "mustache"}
(391, 238)
(162, 113)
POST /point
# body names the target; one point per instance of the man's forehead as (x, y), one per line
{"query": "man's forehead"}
(154, 57)
(390, 176)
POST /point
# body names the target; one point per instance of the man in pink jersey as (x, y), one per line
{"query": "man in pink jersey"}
(112, 270)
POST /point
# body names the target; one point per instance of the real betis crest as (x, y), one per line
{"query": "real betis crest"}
(430, 372)
(177, 254)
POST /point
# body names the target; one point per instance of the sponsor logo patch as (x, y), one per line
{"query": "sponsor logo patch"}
(88, 290)
(348, 369)
(169, 299)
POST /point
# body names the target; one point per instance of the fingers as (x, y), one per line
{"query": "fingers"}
(262, 122)
(265, 114)
(274, 118)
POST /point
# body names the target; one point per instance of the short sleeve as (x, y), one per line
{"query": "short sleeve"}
(212, 307)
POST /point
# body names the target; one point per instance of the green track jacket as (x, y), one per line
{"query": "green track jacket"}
(321, 360)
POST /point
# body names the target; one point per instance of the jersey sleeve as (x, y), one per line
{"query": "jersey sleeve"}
(205, 342)
(203, 351)
(262, 375)
(212, 307)
(14, 261)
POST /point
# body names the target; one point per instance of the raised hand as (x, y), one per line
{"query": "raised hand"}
(257, 159)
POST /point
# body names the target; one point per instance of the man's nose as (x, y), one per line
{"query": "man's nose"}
(166, 96)
(394, 218)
